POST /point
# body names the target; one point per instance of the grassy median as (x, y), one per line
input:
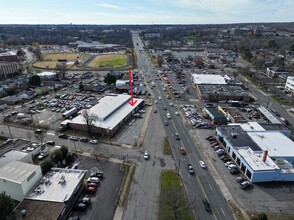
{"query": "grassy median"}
(173, 203)
(166, 147)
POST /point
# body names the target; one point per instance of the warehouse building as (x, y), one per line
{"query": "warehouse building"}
(264, 155)
(17, 178)
(215, 115)
(111, 112)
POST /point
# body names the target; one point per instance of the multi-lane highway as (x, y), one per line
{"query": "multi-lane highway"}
(202, 185)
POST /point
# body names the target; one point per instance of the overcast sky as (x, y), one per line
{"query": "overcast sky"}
(145, 11)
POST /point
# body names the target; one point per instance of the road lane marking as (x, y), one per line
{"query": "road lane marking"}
(210, 187)
(222, 211)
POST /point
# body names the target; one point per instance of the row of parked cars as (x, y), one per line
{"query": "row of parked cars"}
(92, 184)
(194, 118)
(232, 167)
(75, 138)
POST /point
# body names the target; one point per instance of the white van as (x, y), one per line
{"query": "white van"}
(168, 115)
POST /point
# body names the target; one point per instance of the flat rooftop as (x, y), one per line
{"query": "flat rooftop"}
(215, 112)
(254, 160)
(222, 90)
(208, 79)
(17, 171)
(58, 185)
(271, 117)
(110, 111)
(39, 209)
(11, 156)
(277, 144)
(238, 137)
(250, 126)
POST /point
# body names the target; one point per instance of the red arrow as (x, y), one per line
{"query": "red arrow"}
(132, 102)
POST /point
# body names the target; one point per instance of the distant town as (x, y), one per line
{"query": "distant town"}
(147, 121)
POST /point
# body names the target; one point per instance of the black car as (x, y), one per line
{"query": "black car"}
(234, 171)
(206, 205)
(51, 142)
(38, 131)
(81, 206)
(65, 136)
(83, 139)
(226, 159)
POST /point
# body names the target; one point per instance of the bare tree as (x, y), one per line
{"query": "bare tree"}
(199, 62)
(159, 60)
(174, 204)
(40, 136)
(89, 118)
(61, 69)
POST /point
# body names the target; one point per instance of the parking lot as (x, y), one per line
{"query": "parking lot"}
(271, 197)
(103, 201)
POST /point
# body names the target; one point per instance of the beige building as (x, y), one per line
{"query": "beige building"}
(8, 69)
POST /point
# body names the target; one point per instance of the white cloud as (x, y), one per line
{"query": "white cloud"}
(108, 6)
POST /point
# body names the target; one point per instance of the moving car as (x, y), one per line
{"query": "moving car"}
(202, 164)
(168, 115)
(177, 113)
(206, 205)
(166, 123)
(177, 136)
(191, 169)
(183, 151)
(146, 155)
(155, 110)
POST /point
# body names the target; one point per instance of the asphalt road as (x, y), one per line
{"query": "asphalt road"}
(202, 185)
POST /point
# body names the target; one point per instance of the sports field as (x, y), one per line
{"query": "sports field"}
(109, 60)
(62, 56)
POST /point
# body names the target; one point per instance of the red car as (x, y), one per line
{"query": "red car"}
(214, 144)
(92, 185)
(183, 151)
(90, 189)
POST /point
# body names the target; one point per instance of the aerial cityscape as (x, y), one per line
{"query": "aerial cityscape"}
(167, 110)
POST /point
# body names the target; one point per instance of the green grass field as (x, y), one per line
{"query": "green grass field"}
(171, 179)
(109, 60)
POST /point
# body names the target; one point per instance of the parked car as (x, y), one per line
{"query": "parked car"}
(83, 139)
(93, 180)
(73, 138)
(95, 185)
(245, 184)
(51, 142)
(240, 179)
(191, 169)
(206, 205)
(86, 200)
(98, 174)
(81, 206)
(93, 141)
(91, 189)
(146, 155)
(229, 163)
(43, 154)
(202, 164)
(64, 136)
(234, 171)
(38, 131)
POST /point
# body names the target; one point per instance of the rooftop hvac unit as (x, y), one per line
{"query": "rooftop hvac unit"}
(234, 135)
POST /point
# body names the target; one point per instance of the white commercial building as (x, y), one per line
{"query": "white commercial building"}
(54, 196)
(208, 79)
(289, 86)
(47, 75)
(18, 178)
(111, 113)
(263, 155)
